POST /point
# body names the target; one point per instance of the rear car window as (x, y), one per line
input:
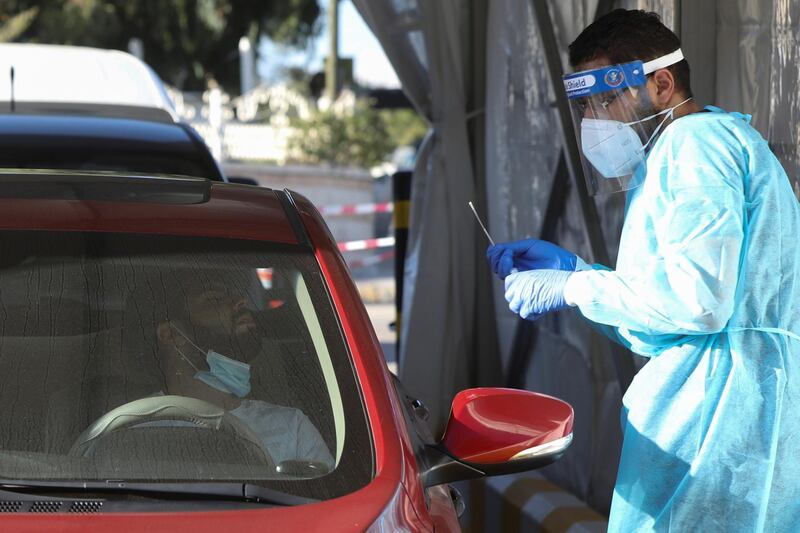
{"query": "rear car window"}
(161, 359)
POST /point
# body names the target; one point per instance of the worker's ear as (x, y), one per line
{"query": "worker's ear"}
(663, 87)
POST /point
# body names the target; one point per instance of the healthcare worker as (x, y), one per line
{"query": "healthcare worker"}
(707, 284)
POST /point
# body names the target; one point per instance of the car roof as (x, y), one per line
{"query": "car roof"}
(25, 129)
(118, 202)
(100, 135)
(80, 75)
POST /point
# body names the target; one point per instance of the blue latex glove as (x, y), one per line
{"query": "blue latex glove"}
(533, 293)
(529, 254)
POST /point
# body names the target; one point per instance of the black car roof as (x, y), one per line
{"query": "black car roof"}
(80, 128)
(54, 139)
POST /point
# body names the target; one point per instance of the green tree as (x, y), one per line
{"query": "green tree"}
(357, 139)
(404, 126)
(185, 41)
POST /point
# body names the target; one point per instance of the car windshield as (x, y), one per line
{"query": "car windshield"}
(155, 358)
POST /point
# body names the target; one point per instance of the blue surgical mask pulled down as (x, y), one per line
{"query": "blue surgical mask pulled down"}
(613, 147)
(224, 374)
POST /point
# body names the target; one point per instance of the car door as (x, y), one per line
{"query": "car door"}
(441, 501)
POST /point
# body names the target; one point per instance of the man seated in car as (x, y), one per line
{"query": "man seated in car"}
(205, 349)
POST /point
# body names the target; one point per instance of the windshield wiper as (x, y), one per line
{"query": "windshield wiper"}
(246, 492)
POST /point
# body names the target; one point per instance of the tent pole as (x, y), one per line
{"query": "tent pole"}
(524, 337)
(525, 332)
(593, 230)
(487, 369)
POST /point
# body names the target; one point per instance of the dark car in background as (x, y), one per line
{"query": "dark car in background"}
(81, 108)
(74, 139)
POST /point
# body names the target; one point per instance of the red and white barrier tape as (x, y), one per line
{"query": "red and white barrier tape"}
(366, 244)
(356, 209)
(265, 277)
(372, 260)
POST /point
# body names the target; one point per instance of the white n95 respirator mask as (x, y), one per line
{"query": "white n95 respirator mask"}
(614, 148)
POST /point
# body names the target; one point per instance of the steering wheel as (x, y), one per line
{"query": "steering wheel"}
(165, 408)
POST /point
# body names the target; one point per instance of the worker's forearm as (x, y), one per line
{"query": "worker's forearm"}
(606, 297)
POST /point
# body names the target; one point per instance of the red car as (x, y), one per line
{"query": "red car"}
(182, 355)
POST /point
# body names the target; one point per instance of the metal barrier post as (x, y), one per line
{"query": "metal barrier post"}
(401, 195)
(623, 360)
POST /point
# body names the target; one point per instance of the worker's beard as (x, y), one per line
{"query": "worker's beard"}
(647, 127)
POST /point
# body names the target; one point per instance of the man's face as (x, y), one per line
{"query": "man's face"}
(216, 318)
(220, 320)
(219, 308)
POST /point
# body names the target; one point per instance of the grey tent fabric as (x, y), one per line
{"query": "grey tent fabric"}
(755, 70)
(396, 24)
(568, 359)
(425, 42)
(744, 55)
(784, 114)
(758, 69)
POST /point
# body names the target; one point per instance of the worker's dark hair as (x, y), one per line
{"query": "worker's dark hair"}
(622, 36)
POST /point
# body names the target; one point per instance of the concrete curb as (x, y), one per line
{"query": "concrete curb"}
(526, 502)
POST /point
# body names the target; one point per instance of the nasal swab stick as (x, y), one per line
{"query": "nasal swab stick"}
(480, 222)
(513, 270)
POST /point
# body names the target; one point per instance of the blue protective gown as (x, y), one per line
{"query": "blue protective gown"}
(707, 285)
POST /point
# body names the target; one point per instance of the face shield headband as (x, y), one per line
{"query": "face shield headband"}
(615, 77)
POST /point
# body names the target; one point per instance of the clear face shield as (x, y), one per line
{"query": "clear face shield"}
(616, 122)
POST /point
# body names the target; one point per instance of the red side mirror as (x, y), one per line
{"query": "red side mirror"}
(501, 431)
(489, 426)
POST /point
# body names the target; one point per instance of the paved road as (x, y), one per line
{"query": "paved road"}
(382, 314)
